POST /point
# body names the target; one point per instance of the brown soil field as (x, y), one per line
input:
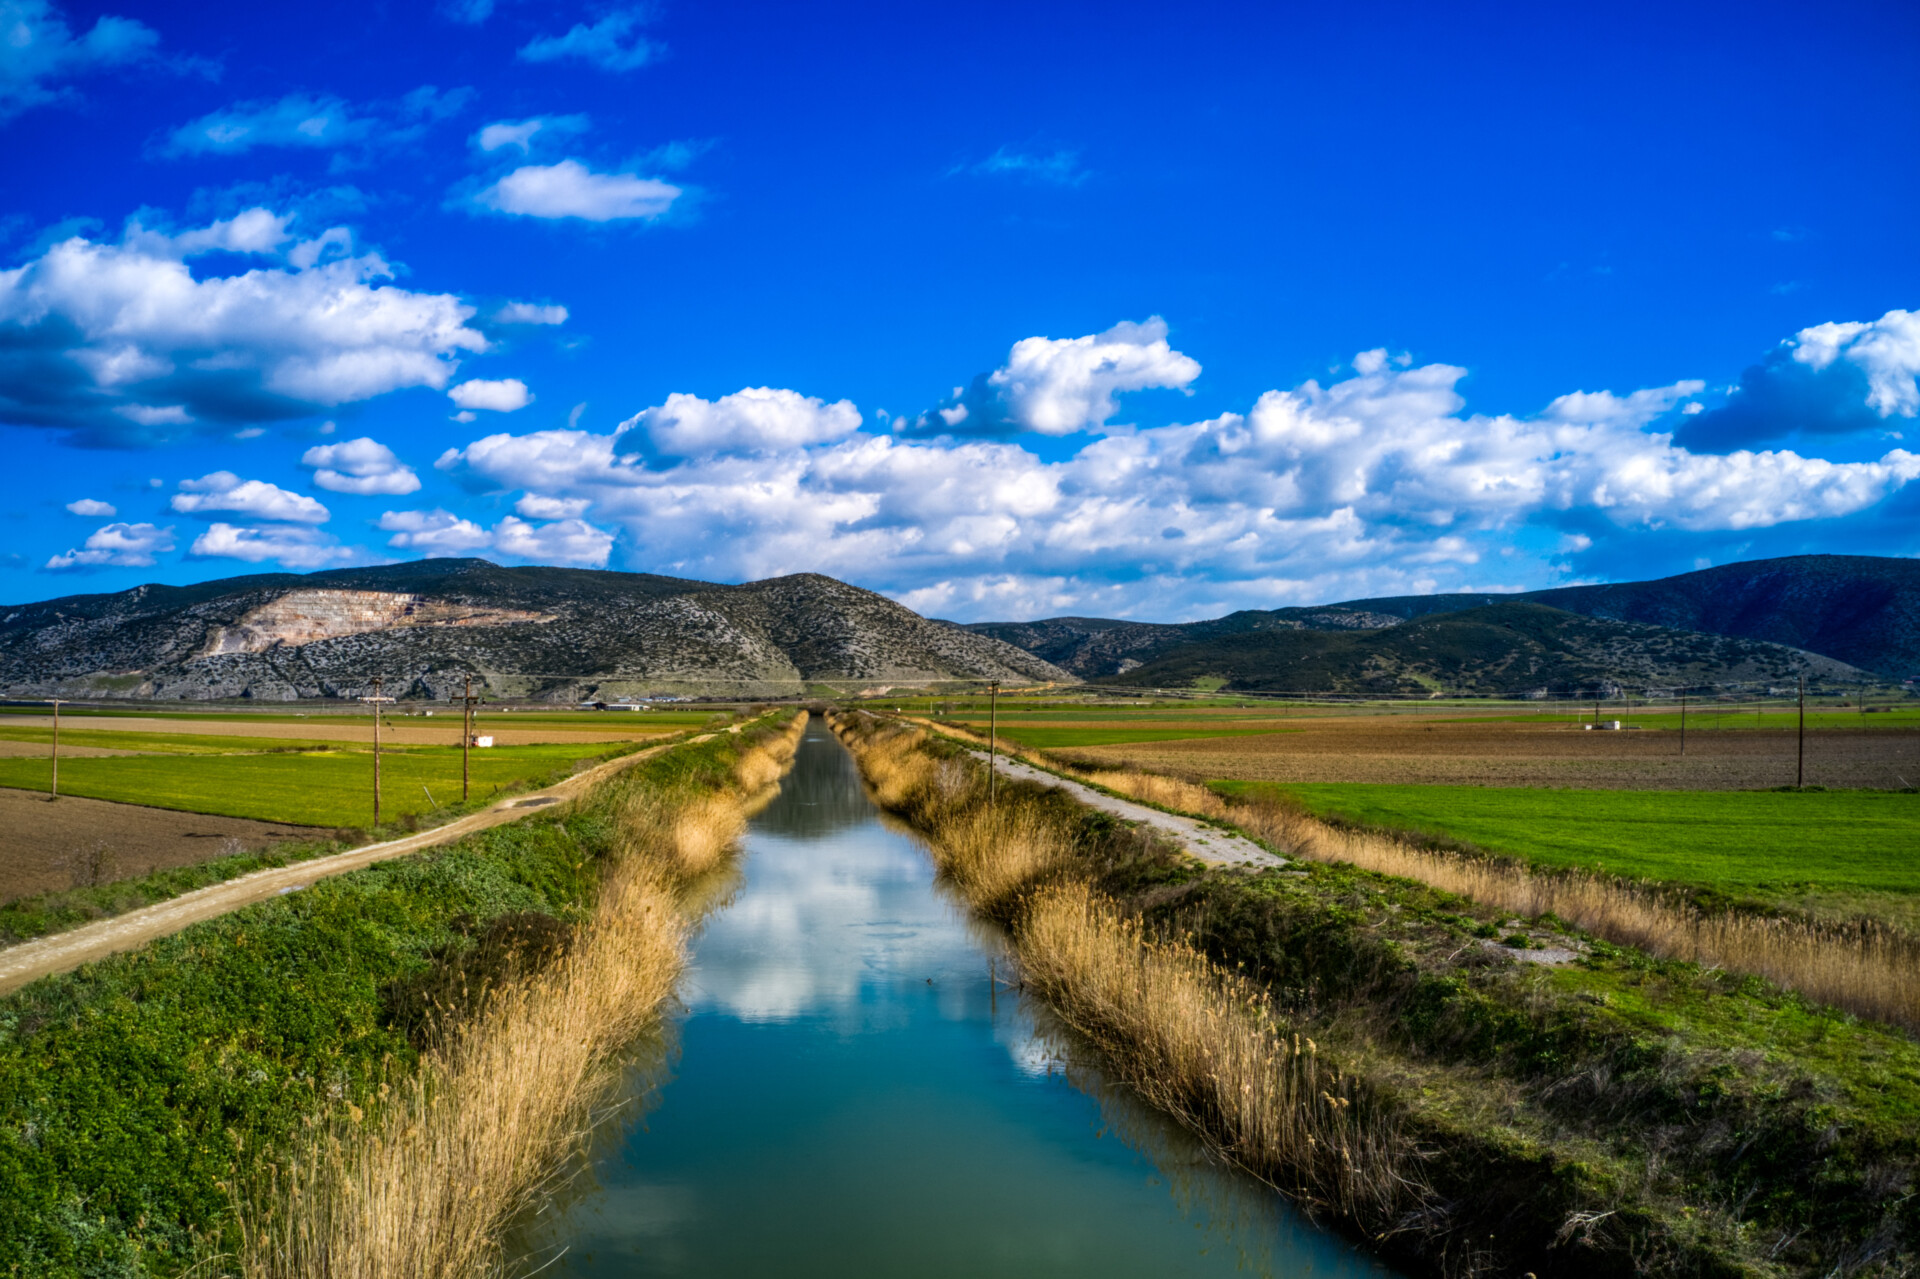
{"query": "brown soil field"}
(48, 846)
(1521, 754)
(400, 732)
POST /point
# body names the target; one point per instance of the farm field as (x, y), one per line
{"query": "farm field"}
(331, 788)
(265, 733)
(1831, 846)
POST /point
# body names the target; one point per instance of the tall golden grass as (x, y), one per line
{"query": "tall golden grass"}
(487, 1126)
(1865, 968)
(1197, 1041)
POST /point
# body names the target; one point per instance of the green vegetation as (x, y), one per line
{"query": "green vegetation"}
(135, 1093)
(310, 788)
(162, 743)
(1743, 843)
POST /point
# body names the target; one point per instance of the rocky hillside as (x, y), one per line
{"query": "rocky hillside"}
(1860, 610)
(1511, 649)
(552, 633)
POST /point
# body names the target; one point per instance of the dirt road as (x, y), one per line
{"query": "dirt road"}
(61, 952)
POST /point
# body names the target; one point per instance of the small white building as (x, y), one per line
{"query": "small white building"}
(483, 739)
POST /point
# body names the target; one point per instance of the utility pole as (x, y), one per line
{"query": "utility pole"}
(993, 744)
(55, 793)
(1800, 773)
(1683, 723)
(466, 740)
(376, 699)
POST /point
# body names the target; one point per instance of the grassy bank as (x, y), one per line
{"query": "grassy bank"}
(1617, 1114)
(144, 1097)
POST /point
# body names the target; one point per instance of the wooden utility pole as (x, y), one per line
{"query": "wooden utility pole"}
(466, 740)
(993, 744)
(1683, 723)
(1800, 772)
(376, 699)
(55, 793)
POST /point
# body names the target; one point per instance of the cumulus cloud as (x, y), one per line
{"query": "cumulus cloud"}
(225, 491)
(757, 419)
(314, 121)
(115, 546)
(363, 466)
(1830, 379)
(569, 189)
(613, 44)
(292, 547)
(520, 134)
(530, 313)
(441, 533)
(1379, 482)
(122, 344)
(93, 507)
(503, 396)
(1059, 386)
(536, 507)
(41, 50)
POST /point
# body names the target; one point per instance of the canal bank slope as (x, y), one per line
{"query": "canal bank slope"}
(1617, 1115)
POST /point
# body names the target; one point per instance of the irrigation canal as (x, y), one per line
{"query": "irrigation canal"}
(848, 1094)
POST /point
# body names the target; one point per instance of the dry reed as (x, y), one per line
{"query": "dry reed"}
(1865, 968)
(1196, 1041)
(484, 1130)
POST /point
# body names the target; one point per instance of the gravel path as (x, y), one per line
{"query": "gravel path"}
(1210, 844)
(44, 956)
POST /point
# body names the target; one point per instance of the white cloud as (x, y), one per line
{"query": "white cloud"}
(435, 532)
(752, 420)
(503, 396)
(314, 121)
(439, 533)
(363, 466)
(292, 547)
(569, 189)
(1057, 386)
(125, 344)
(1887, 350)
(520, 134)
(1379, 483)
(530, 313)
(40, 48)
(225, 491)
(1058, 168)
(613, 44)
(536, 507)
(92, 506)
(116, 546)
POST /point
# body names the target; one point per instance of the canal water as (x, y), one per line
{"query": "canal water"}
(848, 1094)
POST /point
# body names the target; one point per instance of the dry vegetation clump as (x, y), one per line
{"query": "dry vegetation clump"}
(1195, 1040)
(1865, 967)
(482, 1132)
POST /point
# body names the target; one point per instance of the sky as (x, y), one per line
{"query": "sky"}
(1003, 310)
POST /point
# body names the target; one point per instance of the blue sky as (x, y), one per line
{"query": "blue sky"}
(1006, 311)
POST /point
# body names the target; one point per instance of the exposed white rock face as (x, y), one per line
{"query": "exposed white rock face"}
(305, 617)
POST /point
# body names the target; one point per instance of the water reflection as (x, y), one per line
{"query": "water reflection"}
(853, 1098)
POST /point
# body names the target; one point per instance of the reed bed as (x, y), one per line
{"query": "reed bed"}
(1866, 968)
(485, 1130)
(1199, 1042)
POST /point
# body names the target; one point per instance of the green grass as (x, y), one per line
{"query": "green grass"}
(162, 743)
(1738, 842)
(333, 788)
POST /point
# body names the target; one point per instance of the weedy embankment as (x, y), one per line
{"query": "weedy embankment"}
(413, 1048)
(511, 1092)
(1620, 1114)
(1195, 1039)
(1866, 967)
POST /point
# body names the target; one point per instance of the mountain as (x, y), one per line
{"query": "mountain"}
(552, 633)
(1507, 648)
(1857, 609)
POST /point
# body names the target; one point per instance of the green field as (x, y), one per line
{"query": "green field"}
(317, 788)
(1745, 843)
